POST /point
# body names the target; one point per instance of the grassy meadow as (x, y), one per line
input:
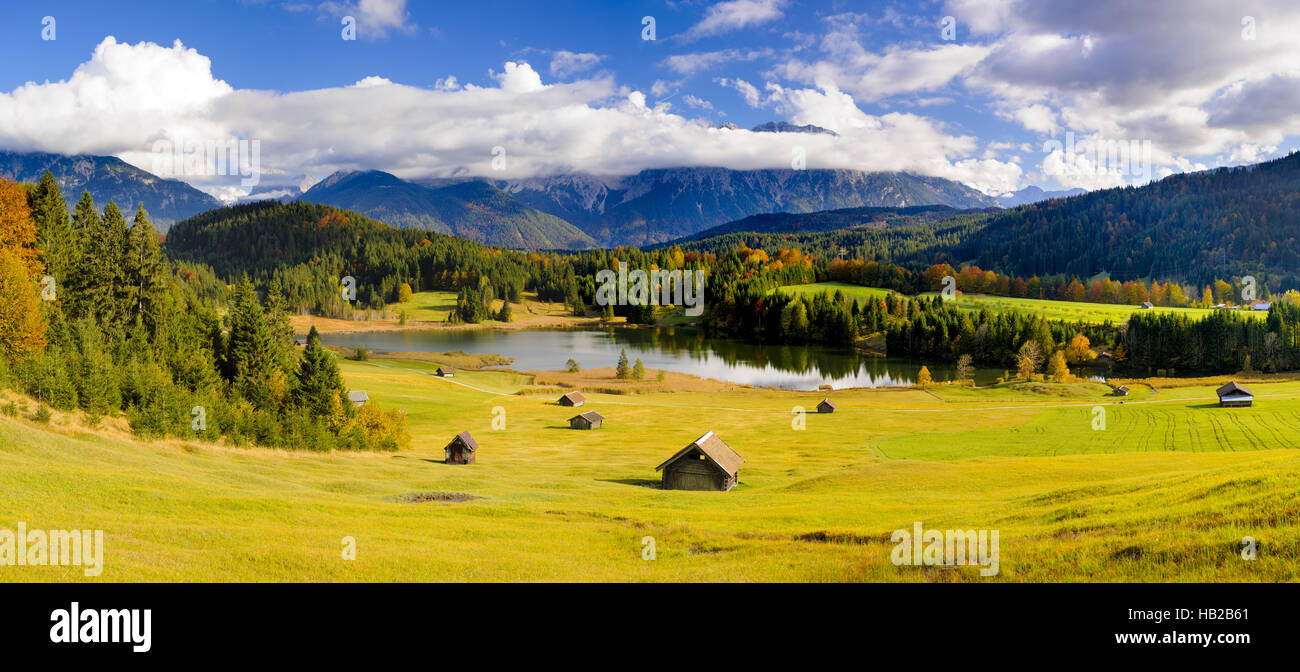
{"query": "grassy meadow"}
(1163, 493)
(1069, 311)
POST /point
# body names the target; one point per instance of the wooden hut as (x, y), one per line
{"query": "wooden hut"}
(1234, 395)
(461, 450)
(588, 420)
(573, 399)
(826, 406)
(358, 398)
(1121, 391)
(446, 371)
(706, 464)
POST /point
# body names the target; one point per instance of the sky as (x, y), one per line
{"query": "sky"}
(997, 94)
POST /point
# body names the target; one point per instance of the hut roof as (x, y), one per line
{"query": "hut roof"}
(575, 397)
(827, 402)
(466, 439)
(1233, 388)
(715, 449)
(358, 395)
(446, 368)
(589, 415)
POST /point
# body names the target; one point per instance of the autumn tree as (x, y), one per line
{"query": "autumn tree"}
(1057, 369)
(17, 230)
(22, 327)
(923, 378)
(1079, 350)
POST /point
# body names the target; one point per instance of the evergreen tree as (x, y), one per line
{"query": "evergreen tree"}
(55, 236)
(251, 364)
(638, 371)
(145, 283)
(623, 371)
(319, 388)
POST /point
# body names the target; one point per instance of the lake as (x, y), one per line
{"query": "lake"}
(791, 367)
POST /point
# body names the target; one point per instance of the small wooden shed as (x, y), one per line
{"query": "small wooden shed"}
(573, 399)
(446, 371)
(358, 398)
(1234, 395)
(588, 420)
(461, 450)
(1121, 391)
(826, 406)
(707, 463)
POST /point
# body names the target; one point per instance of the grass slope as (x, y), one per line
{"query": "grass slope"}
(1165, 492)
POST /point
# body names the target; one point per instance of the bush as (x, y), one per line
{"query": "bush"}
(572, 366)
(42, 414)
(361, 353)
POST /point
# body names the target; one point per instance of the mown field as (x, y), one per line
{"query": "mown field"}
(1164, 493)
(1069, 311)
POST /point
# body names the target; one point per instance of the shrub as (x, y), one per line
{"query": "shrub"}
(42, 414)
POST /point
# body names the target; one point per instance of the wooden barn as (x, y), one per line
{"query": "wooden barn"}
(446, 371)
(1234, 395)
(706, 464)
(588, 420)
(573, 399)
(358, 398)
(461, 450)
(826, 406)
(1121, 391)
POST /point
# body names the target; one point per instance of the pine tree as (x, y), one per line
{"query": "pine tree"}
(144, 283)
(623, 370)
(55, 236)
(250, 354)
(638, 371)
(319, 388)
(279, 327)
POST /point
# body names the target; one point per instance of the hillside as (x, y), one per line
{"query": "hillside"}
(846, 219)
(659, 205)
(471, 209)
(107, 179)
(1192, 227)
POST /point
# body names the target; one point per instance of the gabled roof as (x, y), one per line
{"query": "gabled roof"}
(358, 395)
(589, 415)
(575, 397)
(828, 402)
(446, 368)
(1233, 388)
(715, 449)
(466, 439)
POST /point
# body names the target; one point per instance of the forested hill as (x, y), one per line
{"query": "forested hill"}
(835, 220)
(1191, 227)
(308, 247)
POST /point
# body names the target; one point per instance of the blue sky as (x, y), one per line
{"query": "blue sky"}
(971, 90)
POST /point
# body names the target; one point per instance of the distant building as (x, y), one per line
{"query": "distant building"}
(826, 406)
(573, 399)
(358, 398)
(1234, 395)
(446, 371)
(1147, 305)
(588, 420)
(1121, 391)
(461, 450)
(706, 464)
(300, 342)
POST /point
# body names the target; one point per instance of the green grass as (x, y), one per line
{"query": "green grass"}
(1069, 311)
(431, 306)
(1165, 492)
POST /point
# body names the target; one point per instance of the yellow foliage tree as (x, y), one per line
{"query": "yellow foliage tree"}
(923, 378)
(17, 230)
(1057, 369)
(22, 327)
(1079, 350)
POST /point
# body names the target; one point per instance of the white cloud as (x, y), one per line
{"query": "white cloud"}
(375, 18)
(565, 63)
(748, 91)
(128, 96)
(696, 102)
(689, 64)
(734, 15)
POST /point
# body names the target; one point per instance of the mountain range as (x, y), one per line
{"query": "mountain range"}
(107, 179)
(1033, 194)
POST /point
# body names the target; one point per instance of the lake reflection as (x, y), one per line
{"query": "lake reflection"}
(801, 367)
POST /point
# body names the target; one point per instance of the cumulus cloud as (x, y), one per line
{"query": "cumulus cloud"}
(129, 96)
(689, 64)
